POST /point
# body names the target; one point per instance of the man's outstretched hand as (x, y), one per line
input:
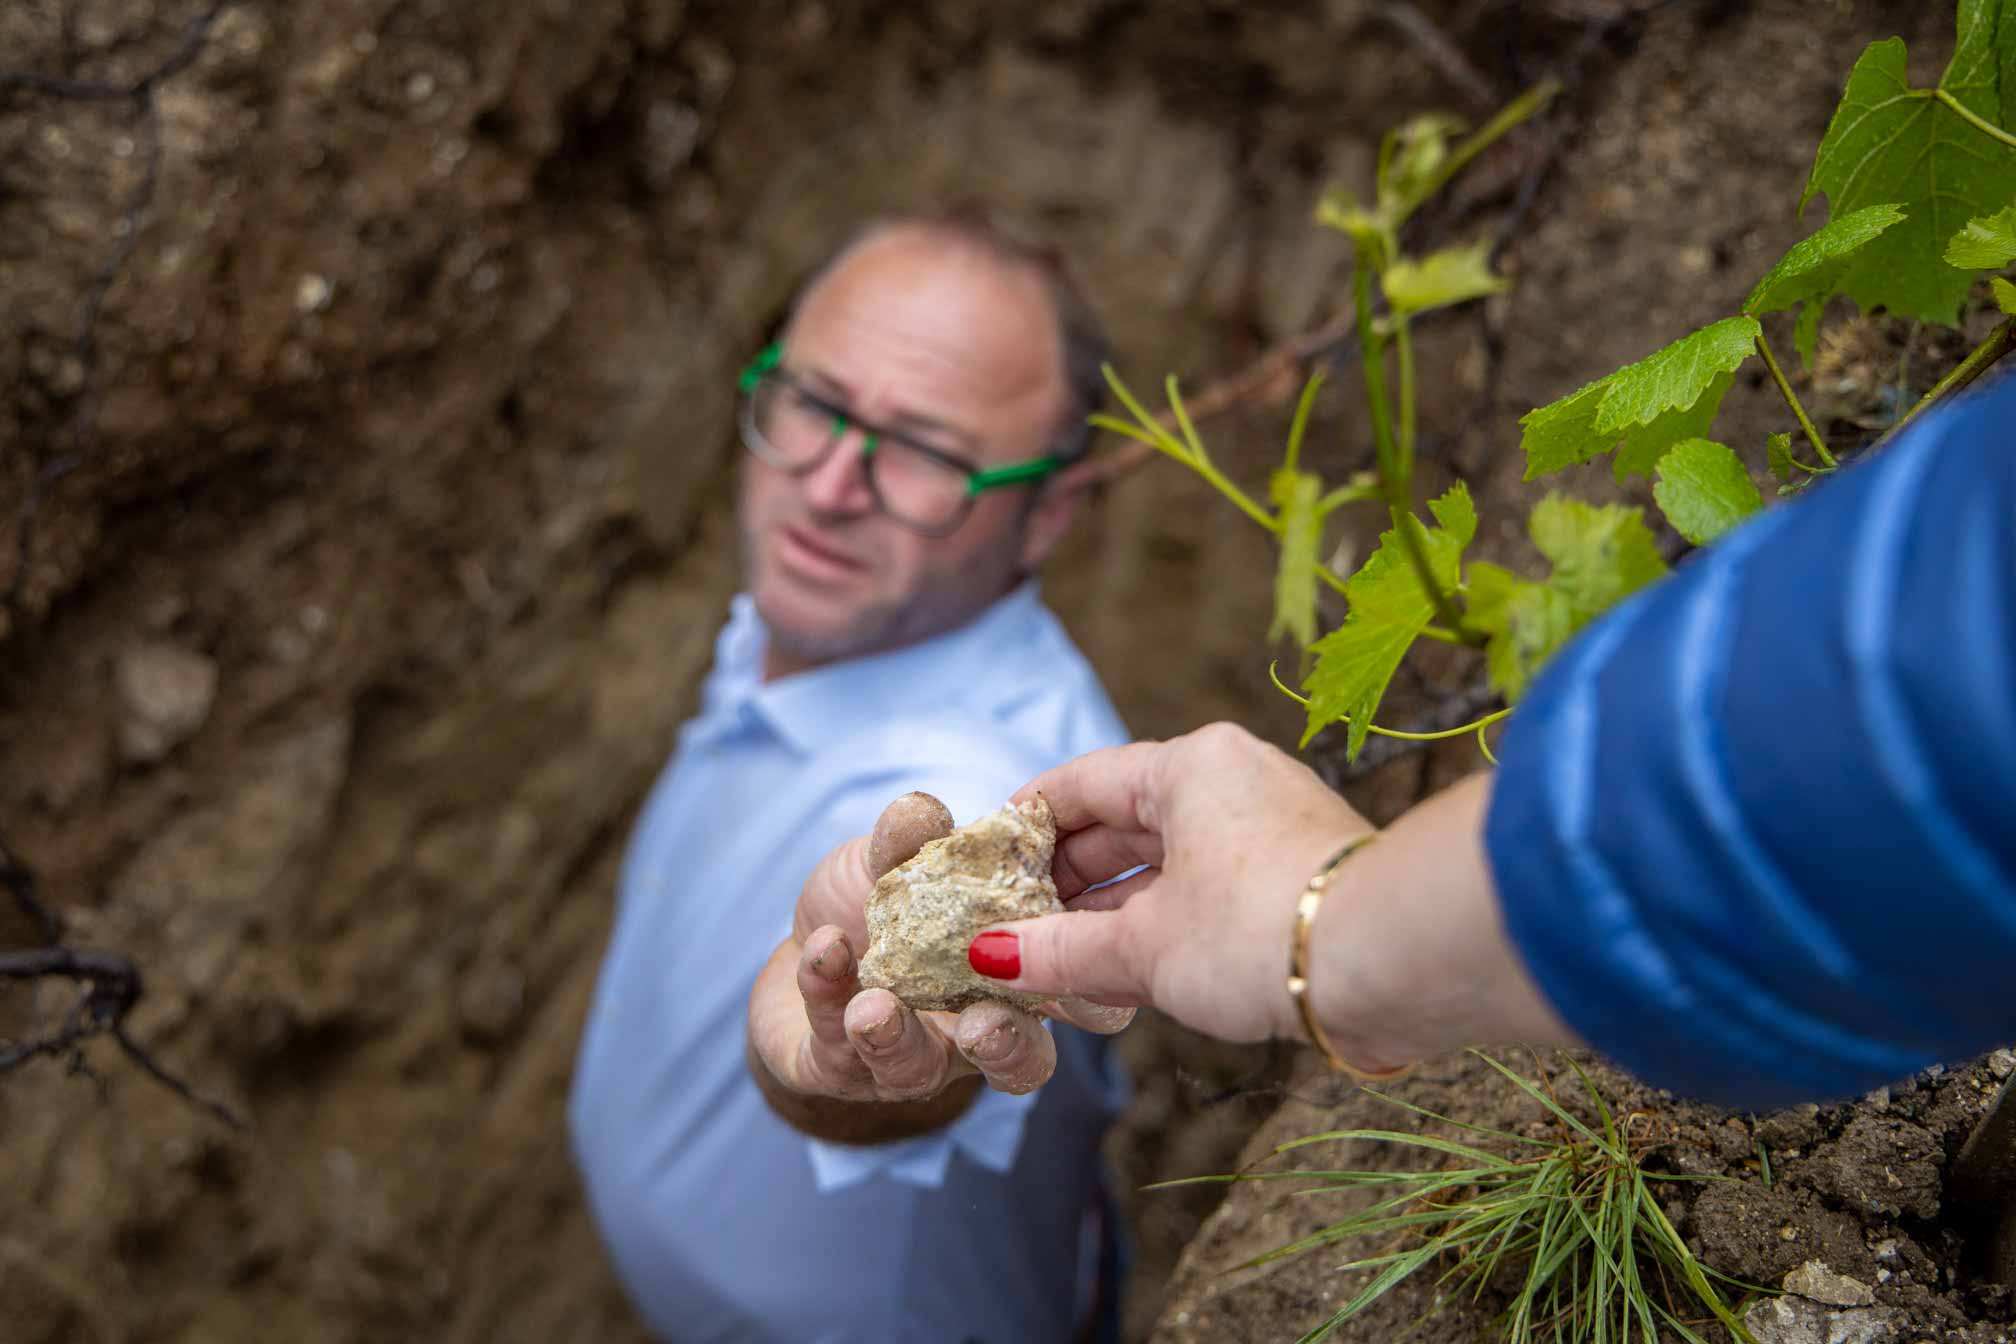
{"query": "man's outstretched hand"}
(855, 1065)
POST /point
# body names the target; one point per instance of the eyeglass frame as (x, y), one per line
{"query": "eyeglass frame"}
(769, 363)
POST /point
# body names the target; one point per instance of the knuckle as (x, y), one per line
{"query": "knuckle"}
(911, 1079)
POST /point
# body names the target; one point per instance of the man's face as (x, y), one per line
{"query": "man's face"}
(908, 332)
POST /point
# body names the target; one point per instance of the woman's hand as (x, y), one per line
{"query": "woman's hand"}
(1409, 955)
(1230, 829)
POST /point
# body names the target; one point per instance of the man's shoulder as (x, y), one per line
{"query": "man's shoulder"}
(1036, 676)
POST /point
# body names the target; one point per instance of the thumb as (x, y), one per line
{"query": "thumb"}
(1087, 954)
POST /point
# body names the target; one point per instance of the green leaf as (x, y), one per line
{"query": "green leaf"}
(1890, 142)
(1367, 231)
(1297, 494)
(1678, 376)
(1389, 610)
(1986, 244)
(1704, 490)
(1599, 556)
(1778, 452)
(1410, 161)
(1644, 445)
(1487, 594)
(1982, 73)
(2005, 295)
(1670, 395)
(1456, 511)
(1563, 433)
(1451, 276)
(1812, 267)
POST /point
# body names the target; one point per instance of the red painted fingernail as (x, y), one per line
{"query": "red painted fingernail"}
(996, 955)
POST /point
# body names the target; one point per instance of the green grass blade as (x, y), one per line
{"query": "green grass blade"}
(1447, 1146)
(1602, 1107)
(1486, 1130)
(1531, 1089)
(1372, 1292)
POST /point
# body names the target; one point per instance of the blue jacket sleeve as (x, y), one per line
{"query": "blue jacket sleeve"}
(1755, 833)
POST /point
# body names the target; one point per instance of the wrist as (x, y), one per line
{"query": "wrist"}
(1409, 956)
(1351, 1057)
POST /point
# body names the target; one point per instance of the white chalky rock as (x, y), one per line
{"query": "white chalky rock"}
(165, 692)
(1822, 1284)
(924, 913)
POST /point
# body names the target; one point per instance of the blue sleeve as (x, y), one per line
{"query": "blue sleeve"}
(1755, 833)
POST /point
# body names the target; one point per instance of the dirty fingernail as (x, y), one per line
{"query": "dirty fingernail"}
(884, 1033)
(995, 1046)
(833, 963)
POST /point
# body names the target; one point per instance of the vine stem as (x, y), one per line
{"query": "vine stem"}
(1792, 399)
(1972, 118)
(1372, 360)
(1474, 726)
(1395, 470)
(1403, 347)
(1984, 356)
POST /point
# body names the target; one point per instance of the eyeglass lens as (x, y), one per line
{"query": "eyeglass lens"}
(796, 432)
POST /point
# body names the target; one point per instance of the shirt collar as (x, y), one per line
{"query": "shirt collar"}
(810, 708)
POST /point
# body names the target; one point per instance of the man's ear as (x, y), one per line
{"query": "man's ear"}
(1050, 517)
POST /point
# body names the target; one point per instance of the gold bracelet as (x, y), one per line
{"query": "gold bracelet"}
(1298, 965)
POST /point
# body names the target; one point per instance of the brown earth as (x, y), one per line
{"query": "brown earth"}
(393, 551)
(1859, 1190)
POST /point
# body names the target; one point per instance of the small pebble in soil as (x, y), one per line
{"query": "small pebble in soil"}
(1822, 1284)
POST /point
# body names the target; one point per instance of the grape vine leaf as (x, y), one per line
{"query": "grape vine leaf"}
(1778, 452)
(1669, 396)
(1704, 490)
(1389, 610)
(1600, 555)
(1411, 159)
(1675, 378)
(2005, 295)
(1986, 244)
(1340, 210)
(1452, 276)
(1297, 494)
(1811, 268)
(1889, 141)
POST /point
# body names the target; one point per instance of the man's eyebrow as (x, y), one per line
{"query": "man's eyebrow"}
(916, 421)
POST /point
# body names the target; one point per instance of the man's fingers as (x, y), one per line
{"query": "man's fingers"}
(908, 1059)
(1010, 1048)
(905, 827)
(827, 979)
(1101, 1019)
(1088, 954)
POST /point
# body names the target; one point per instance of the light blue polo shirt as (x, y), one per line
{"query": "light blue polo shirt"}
(724, 1223)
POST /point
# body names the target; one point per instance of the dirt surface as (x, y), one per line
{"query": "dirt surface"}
(382, 534)
(1858, 1191)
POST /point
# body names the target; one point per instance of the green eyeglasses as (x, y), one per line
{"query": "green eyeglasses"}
(926, 489)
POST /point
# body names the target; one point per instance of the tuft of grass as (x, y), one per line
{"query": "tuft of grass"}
(1570, 1219)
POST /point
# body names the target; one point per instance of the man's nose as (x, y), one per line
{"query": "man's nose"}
(839, 484)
